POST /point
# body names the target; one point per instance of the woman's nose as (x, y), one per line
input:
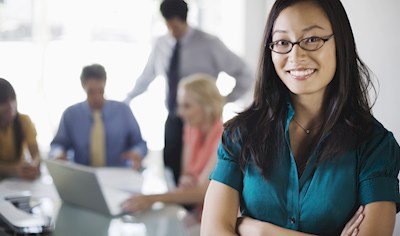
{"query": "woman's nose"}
(297, 54)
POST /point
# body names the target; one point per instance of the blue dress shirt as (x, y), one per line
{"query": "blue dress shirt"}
(121, 130)
(326, 195)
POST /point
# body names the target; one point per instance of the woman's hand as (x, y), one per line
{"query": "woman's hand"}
(135, 159)
(351, 228)
(187, 181)
(137, 203)
(28, 171)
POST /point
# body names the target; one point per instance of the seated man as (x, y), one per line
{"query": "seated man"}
(17, 138)
(98, 132)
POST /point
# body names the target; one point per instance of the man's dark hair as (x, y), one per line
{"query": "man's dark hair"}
(94, 71)
(174, 8)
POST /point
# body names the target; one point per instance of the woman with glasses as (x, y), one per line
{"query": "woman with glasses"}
(307, 157)
(17, 138)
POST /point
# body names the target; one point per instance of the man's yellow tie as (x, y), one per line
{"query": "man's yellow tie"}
(97, 144)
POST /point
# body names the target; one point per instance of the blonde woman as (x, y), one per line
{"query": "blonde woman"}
(200, 107)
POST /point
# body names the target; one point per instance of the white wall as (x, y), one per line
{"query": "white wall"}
(377, 35)
(375, 25)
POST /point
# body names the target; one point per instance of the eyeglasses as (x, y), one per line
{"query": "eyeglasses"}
(309, 44)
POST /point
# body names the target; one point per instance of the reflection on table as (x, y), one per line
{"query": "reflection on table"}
(66, 219)
(165, 221)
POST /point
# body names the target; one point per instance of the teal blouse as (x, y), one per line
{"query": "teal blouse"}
(326, 196)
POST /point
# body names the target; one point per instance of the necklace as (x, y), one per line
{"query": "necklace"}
(307, 131)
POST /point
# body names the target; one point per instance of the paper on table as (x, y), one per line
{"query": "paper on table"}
(38, 188)
(6, 192)
(120, 178)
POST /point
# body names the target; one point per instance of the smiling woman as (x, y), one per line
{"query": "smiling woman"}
(309, 146)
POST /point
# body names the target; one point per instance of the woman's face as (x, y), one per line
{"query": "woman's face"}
(190, 110)
(304, 72)
(8, 111)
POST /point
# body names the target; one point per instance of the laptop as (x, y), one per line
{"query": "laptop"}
(81, 186)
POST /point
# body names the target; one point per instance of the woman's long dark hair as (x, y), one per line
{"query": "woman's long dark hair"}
(346, 108)
(7, 93)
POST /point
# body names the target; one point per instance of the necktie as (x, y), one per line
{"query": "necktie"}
(97, 144)
(173, 78)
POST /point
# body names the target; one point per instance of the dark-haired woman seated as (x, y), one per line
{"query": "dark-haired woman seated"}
(17, 134)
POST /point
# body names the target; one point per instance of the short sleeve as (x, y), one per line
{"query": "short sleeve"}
(227, 170)
(379, 169)
(29, 129)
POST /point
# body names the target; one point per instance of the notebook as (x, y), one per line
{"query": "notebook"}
(81, 186)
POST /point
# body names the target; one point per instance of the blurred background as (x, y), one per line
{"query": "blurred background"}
(44, 45)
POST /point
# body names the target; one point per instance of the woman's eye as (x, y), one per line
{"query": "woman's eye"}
(282, 43)
(312, 39)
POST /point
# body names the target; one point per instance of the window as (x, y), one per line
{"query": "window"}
(45, 44)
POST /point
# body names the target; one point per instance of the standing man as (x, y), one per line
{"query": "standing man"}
(98, 132)
(182, 52)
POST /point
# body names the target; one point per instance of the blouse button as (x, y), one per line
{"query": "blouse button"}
(292, 220)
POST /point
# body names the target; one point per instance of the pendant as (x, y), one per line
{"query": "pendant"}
(307, 131)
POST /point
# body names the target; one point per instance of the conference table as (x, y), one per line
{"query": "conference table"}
(69, 220)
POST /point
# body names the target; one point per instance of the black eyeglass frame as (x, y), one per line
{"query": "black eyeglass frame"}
(324, 40)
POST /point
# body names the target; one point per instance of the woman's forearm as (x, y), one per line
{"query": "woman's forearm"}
(276, 230)
(34, 151)
(217, 230)
(8, 169)
(184, 196)
(249, 227)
